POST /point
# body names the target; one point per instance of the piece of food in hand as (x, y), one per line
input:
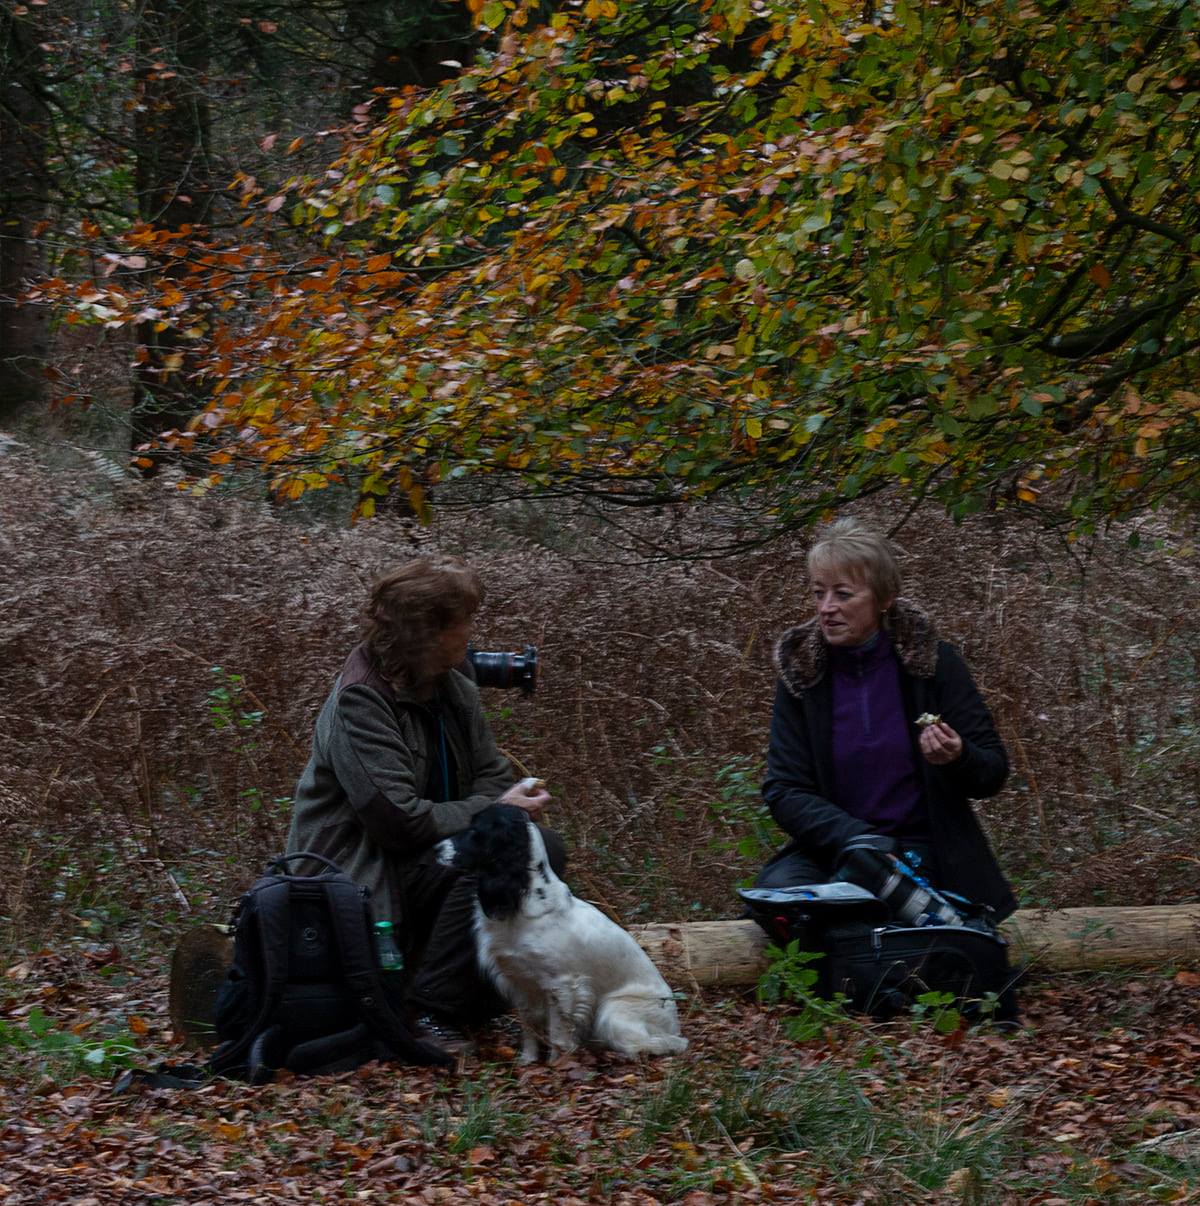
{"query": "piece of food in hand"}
(928, 718)
(532, 784)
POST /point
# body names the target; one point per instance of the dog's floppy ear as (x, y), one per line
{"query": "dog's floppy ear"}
(496, 851)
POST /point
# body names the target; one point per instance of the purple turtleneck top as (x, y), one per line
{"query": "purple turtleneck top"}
(874, 764)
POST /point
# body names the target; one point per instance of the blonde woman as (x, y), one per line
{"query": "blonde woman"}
(878, 732)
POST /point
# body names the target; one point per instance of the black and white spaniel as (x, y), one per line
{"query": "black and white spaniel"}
(572, 975)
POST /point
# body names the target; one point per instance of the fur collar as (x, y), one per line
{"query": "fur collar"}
(802, 655)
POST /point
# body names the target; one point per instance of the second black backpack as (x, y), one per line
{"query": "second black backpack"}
(305, 991)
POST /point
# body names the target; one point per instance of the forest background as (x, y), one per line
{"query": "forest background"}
(615, 301)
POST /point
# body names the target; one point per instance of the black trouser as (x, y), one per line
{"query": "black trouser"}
(791, 867)
(439, 914)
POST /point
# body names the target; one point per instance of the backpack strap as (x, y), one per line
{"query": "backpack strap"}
(348, 908)
(272, 910)
(332, 1052)
(165, 1076)
(280, 863)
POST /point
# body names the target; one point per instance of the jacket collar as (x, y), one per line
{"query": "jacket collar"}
(802, 653)
(362, 669)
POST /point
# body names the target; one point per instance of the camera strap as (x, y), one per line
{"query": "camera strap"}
(442, 779)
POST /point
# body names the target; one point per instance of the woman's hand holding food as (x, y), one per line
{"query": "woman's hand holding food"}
(939, 743)
(530, 795)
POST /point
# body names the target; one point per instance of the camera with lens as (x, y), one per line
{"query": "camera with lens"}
(911, 900)
(504, 670)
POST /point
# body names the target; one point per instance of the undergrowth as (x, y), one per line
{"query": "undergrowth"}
(159, 686)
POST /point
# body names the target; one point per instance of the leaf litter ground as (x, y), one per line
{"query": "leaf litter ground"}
(1096, 1100)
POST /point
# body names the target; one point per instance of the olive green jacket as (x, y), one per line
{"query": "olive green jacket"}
(360, 799)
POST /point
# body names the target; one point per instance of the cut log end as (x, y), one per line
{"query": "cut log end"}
(198, 969)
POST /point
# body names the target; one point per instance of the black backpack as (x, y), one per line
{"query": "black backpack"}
(305, 991)
(882, 968)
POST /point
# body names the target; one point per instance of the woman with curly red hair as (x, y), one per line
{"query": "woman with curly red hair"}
(403, 758)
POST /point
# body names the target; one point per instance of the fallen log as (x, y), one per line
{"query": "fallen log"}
(694, 953)
(731, 952)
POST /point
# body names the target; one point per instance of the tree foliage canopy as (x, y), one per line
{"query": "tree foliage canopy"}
(767, 248)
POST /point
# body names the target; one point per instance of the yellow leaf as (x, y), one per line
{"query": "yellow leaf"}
(416, 498)
(998, 1098)
(754, 428)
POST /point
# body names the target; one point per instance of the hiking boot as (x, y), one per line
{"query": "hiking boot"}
(443, 1032)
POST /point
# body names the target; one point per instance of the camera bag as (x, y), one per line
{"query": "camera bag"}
(882, 968)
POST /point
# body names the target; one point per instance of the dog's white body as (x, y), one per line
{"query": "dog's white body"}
(573, 975)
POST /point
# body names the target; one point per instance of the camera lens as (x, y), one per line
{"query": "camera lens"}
(505, 670)
(908, 899)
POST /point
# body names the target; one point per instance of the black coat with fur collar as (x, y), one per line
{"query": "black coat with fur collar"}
(799, 787)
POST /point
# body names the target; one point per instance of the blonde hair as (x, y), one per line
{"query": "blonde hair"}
(410, 606)
(860, 552)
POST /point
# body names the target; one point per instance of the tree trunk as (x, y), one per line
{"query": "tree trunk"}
(24, 329)
(172, 134)
(407, 42)
(731, 952)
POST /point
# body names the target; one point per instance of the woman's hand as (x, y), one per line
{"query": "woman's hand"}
(530, 795)
(940, 744)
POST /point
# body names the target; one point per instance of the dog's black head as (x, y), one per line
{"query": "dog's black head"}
(497, 851)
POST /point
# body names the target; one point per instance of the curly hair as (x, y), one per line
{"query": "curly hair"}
(846, 545)
(409, 606)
